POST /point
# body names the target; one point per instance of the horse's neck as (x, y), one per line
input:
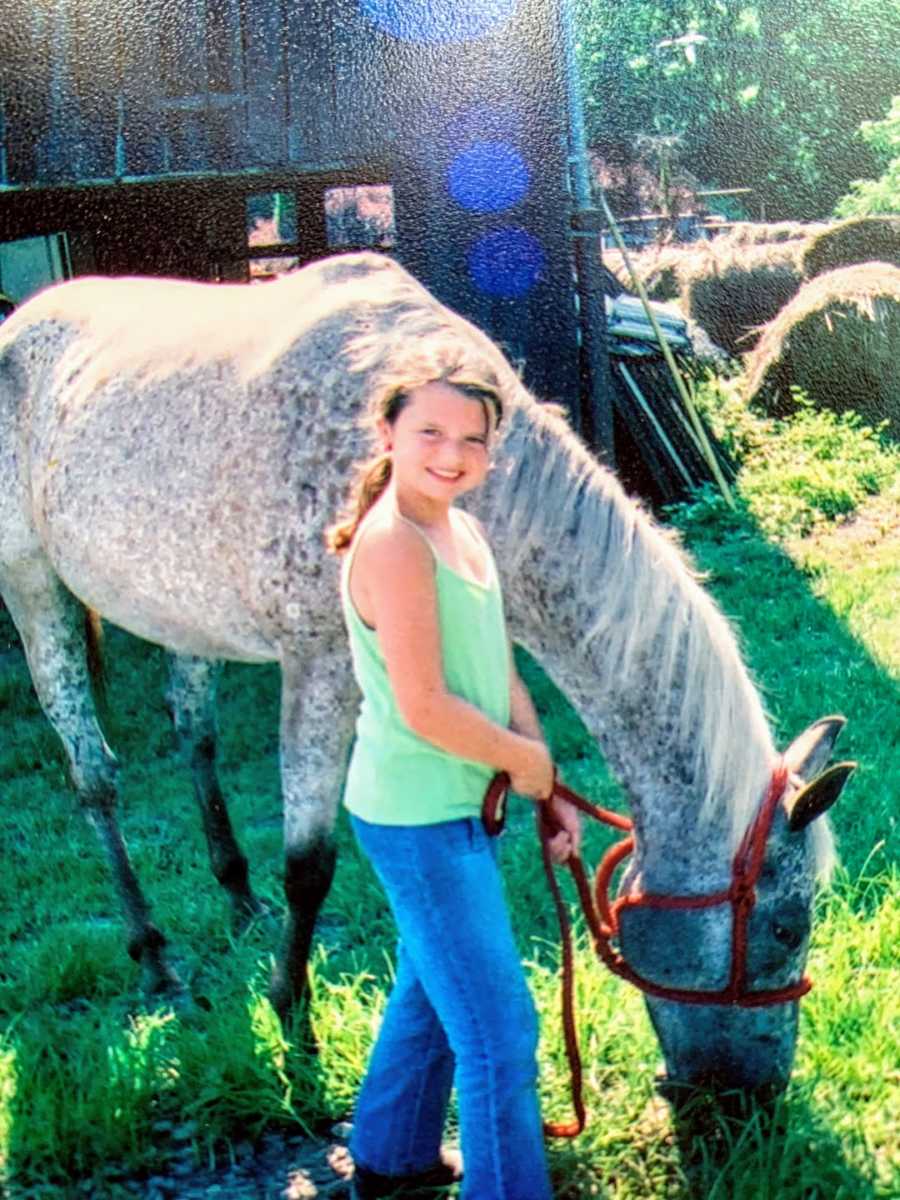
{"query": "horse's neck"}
(603, 600)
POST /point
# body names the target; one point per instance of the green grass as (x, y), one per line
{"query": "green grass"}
(93, 1082)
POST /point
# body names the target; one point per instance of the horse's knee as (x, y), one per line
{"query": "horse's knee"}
(308, 873)
(95, 782)
(149, 939)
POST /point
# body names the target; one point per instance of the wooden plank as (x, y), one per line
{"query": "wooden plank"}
(53, 152)
(368, 83)
(143, 132)
(265, 67)
(24, 63)
(309, 44)
(184, 86)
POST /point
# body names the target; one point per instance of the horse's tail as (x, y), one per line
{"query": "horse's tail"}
(96, 659)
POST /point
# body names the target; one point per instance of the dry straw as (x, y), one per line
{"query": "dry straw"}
(730, 286)
(838, 340)
(857, 240)
(754, 233)
(731, 289)
(655, 266)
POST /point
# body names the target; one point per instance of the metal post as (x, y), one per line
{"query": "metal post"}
(597, 411)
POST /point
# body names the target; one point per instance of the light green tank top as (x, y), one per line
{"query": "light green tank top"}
(396, 777)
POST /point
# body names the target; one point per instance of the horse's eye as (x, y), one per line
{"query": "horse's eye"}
(788, 935)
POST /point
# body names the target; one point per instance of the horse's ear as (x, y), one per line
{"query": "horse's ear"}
(808, 754)
(817, 797)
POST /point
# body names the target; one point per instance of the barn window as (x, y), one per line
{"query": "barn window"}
(271, 219)
(29, 264)
(272, 266)
(360, 216)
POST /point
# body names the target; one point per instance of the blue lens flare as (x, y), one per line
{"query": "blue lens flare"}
(488, 177)
(437, 20)
(507, 262)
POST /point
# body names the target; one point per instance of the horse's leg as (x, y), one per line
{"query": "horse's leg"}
(50, 622)
(192, 695)
(318, 702)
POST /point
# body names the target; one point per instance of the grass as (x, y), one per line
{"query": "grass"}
(95, 1084)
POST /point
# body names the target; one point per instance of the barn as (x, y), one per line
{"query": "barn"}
(233, 139)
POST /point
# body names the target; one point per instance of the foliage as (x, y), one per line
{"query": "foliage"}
(868, 197)
(795, 473)
(766, 95)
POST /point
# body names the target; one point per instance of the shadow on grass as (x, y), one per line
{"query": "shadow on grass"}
(715, 1152)
(738, 1151)
(806, 664)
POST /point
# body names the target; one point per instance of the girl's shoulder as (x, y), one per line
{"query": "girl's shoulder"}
(473, 522)
(387, 542)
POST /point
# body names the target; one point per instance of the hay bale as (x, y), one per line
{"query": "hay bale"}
(839, 340)
(732, 290)
(857, 240)
(656, 267)
(756, 233)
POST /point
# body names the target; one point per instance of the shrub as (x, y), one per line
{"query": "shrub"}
(795, 473)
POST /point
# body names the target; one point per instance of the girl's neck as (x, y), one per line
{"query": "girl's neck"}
(422, 510)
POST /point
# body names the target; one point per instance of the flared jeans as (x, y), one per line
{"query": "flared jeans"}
(460, 1012)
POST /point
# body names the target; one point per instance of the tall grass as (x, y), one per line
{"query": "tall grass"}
(95, 1083)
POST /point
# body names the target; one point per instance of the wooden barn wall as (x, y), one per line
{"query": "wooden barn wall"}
(159, 87)
(130, 96)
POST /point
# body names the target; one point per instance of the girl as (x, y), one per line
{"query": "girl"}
(443, 709)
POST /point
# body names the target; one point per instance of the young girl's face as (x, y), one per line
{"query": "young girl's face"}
(439, 442)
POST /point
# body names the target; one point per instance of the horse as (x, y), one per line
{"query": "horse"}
(172, 454)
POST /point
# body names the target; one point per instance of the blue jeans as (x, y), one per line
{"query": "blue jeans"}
(460, 1011)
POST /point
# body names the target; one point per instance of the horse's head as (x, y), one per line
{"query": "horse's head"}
(716, 1042)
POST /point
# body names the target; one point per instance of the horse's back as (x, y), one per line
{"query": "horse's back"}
(178, 497)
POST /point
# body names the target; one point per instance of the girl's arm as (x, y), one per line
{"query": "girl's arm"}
(393, 572)
(523, 719)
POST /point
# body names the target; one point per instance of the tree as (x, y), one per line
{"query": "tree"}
(869, 197)
(767, 95)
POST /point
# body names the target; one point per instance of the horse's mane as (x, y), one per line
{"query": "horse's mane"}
(661, 632)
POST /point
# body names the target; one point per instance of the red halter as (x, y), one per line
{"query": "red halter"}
(602, 915)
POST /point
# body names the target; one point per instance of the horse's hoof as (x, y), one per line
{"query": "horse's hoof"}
(294, 1016)
(251, 913)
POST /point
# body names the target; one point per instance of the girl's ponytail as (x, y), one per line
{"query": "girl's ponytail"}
(372, 477)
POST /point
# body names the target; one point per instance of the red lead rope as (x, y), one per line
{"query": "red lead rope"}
(602, 915)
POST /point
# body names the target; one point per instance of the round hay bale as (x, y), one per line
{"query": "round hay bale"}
(857, 240)
(755, 233)
(656, 267)
(838, 340)
(731, 290)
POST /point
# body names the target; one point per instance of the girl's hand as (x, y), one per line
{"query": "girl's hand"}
(533, 775)
(566, 842)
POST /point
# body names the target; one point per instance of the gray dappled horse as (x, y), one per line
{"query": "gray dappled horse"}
(172, 453)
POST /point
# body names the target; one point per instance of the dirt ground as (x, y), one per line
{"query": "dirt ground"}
(277, 1168)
